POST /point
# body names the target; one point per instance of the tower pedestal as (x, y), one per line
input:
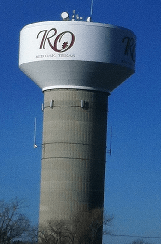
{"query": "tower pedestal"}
(73, 153)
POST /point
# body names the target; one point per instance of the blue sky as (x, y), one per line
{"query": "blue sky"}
(133, 171)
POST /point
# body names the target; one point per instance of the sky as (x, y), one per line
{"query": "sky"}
(133, 171)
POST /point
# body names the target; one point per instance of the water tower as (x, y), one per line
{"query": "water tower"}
(76, 64)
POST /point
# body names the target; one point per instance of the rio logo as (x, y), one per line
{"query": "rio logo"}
(59, 43)
(130, 47)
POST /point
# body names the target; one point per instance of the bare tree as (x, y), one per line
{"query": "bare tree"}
(55, 233)
(13, 225)
(84, 227)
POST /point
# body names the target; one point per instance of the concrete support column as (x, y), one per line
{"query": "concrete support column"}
(73, 153)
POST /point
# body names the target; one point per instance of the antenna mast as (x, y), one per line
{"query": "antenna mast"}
(91, 8)
(35, 146)
(110, 150)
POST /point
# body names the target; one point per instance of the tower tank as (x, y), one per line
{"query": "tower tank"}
(76, 64)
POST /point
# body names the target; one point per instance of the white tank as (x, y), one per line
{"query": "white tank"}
(77, 54)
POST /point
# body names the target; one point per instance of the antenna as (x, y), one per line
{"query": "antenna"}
(110, 150)
(91, 9)
(111, 142)
(35, 146)
(73, 16)
(89, 19)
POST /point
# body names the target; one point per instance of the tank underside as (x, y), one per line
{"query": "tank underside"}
(79, 74)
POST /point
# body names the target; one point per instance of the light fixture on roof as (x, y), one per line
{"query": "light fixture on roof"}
(89, 19)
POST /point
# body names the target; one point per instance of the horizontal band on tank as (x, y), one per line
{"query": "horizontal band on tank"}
(93, 159)
(70, 143)
(75, 87)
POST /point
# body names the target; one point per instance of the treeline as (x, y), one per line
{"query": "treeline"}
(83, 228)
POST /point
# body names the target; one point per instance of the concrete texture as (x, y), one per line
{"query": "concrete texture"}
(73, 153)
